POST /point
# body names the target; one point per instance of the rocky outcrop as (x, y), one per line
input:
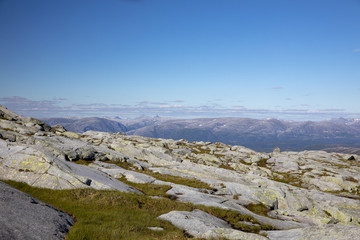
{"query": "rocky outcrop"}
(325, 232)
(42, 157)
(203, 225)
(25, 217)
(295, 190)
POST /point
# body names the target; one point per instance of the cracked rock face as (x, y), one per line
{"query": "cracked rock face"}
(300, 190)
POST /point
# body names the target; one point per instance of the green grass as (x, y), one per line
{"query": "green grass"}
(259, 209)
(149, 189)
(262, 162)
(236, 196)
(191, 182)
(226, 166)
(291, 179)
(110, 214)
(82, 162)
(104, 214)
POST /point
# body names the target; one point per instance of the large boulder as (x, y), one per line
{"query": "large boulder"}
(25, 217)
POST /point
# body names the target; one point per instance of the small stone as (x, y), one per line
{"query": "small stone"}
(88, 182)
(156, 228)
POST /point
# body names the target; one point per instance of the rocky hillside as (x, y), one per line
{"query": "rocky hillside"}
(260, 135)
(302, 195)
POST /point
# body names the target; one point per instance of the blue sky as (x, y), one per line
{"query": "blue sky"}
(287, 59)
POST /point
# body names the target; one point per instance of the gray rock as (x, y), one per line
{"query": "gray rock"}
(25, 217)
(182, 151)
(203, 225)
(325, 232)
(156, 228)
(37, 166)
(117, 172)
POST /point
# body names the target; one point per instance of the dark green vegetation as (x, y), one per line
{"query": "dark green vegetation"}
(259, 209)
(226, 166)
(191, 182)
(110, 214)
(150, 189)
(291, 179)
(116, 215)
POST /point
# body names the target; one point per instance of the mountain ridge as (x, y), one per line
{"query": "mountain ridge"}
(258, 134)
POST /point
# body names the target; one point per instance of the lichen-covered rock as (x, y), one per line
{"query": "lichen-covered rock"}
(38, 166)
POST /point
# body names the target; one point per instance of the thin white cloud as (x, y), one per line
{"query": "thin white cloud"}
(46, 108)
(91, 105)
(21, 102)
(158, 103)
(276, 88)
(332, 110)
(142, 103)
(238, 107)
(59, 99)
(357, 50)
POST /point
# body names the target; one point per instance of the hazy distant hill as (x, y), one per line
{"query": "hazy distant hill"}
(260, 135)
(86, 124)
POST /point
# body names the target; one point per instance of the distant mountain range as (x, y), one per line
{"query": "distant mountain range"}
(340, 134)
(81, 125)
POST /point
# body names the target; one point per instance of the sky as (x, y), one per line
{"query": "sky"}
(285, 59)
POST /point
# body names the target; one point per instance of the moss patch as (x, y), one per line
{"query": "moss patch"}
(259, 209)
(226, 166)
(82, 162)
(191, 182)
(236, 196)
(149, 189)
(125, 165)
(291, 179)
(262, 162)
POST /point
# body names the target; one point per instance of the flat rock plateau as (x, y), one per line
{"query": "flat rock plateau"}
(308, 194)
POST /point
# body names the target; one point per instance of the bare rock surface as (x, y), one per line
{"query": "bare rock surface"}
(203, 225)
(25, 217)
(325, 232)
(298, 190)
